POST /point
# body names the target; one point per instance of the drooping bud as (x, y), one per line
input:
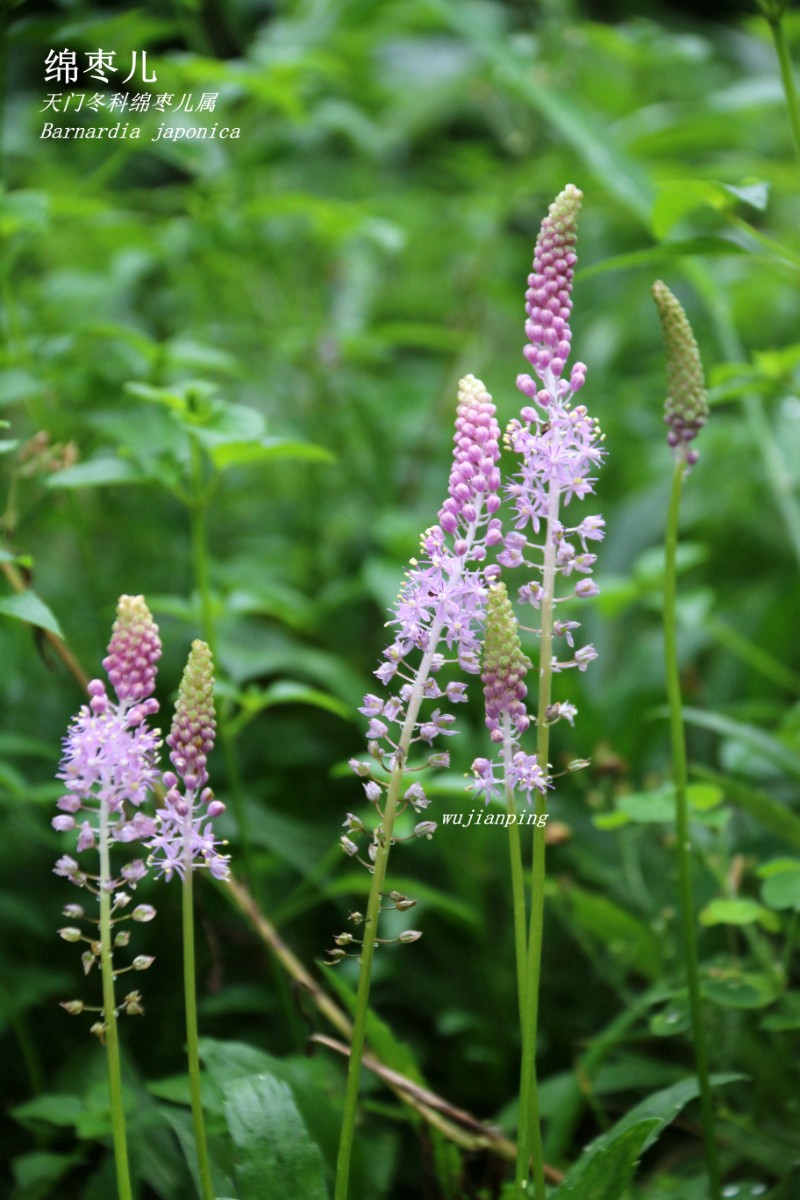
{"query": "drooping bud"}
(191, 738)
(504, 666)
(686, 406)
(134, 650)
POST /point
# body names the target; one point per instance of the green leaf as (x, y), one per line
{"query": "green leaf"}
(605, 1172)
(26, 606)
(275, 1155)
(55, 1108)
(722, 911)
(678, 197)
(704, 796)
(767, 745)
(732, 988)
(253, 701)
(243, 454)
(673, 1018)
(781, 887)
(667, 252)
(96, 472)
(649, 808)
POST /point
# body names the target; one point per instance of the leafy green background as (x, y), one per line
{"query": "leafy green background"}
(260, 339)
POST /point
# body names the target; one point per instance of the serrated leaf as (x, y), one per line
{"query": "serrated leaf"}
(275, 1155)
(26, 606)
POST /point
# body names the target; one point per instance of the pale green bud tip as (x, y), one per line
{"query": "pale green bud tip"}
(191, 738)
(504, 665)
(563, 212)
(686, 406)
(134, 650)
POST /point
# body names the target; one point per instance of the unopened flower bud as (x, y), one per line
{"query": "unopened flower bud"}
(143, 961)
(70, 934)
(686, 406)
(143, 912)
(348, 846)
(410, 935)
(73, 1007)
(122, 938)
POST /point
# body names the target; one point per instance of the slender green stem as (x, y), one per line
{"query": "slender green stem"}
(190, 999)
(110, 1015)
(517, 876)
(529, 1137)
(198, 518)
(680, 772)
(787, 77)
(371, 923)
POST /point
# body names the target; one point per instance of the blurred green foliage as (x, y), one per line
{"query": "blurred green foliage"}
(228, 377)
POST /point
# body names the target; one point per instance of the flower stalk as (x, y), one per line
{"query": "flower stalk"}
(559, 445)
(686, 411)
(439, 612)
(185, 841)
(108, 768)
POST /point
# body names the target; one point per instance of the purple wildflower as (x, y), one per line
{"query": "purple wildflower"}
(504, 690)
(441, 607)
(560, 445)
(185, 836)
(109, 762)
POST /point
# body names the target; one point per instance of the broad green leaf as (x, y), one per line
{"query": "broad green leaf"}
(605, 1171)
(244, 454)
(723, 911)
(275, 1155)
(704, 796)
(38, 1172)
(96, 472)
(678, 197)
(648, 808)
(732, 988)
(55, 1108)
(673, 1018)
(26, 606)
(786, 1017)
(656, 1112)
(781, 890)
